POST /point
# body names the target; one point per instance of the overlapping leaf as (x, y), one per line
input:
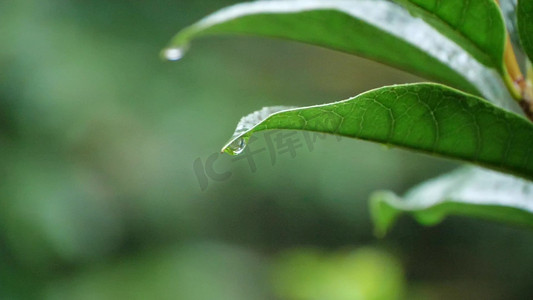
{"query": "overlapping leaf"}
(426, 117)
(441, 40)
(475, 25)
(468, 191)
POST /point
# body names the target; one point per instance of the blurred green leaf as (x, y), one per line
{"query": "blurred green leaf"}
(425, 117)
(468, 191)
(442, 42)
(525, 25)
(366, 274)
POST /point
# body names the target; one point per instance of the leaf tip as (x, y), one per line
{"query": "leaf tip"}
(235, 146)
(383, 214)
(174, 53)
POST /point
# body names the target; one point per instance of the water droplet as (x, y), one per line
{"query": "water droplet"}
(175, 53)
(237, 147)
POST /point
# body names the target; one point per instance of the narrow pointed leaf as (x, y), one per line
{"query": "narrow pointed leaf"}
(525, 25)
(468, 191)
(448, 41)
(425, 117)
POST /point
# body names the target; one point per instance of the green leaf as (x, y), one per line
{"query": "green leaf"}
(477, 26)
(467, 191)
(427, 117)
(440, 40)
(525, 25)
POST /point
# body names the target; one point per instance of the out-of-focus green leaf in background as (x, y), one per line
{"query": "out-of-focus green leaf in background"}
(111, 185)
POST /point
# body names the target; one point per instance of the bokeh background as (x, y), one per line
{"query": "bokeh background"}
(111, 188)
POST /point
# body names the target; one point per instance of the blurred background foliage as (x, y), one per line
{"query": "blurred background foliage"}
(100, 197)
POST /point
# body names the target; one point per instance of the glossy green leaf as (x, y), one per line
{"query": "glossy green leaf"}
(441, 40)
(475, 25)
(525, 25)
(425, 117)
(468, 191)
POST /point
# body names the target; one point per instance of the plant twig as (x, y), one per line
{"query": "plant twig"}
(520, 87)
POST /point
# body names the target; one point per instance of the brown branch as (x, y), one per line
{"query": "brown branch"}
(526, 102)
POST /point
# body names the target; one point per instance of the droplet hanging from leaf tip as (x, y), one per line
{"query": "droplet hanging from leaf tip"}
(174, 53)
(236, 147)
